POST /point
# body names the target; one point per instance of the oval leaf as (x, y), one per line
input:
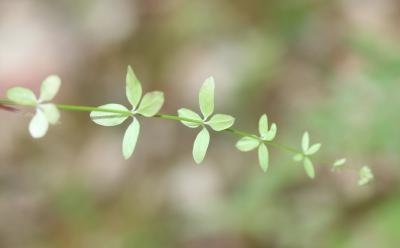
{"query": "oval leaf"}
(305, 142)
(21, 95)
(271, 133)
(200, 145)
(263, 126)
(130, 138)
(263, 157)
(206, 97)
(247, 144)
(133, 88)
(151, 103)
(221, 122)
(339, 162)
(189, 114)
(51, 112)
(49, 88)
(309, 168)
(39, 125)
(313, 149)
(109, 119)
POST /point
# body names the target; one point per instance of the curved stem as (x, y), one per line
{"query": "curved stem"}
(162, 116)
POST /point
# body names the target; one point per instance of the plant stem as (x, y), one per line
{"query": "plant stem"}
(162, 116)
(177, 118)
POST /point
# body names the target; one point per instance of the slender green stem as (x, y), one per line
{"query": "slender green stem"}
(162, 116)
(90, 109)
(7, 102)
(273, 144)
(177, 118)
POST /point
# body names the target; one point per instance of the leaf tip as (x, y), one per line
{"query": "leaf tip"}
(130, 70)
(210, 80)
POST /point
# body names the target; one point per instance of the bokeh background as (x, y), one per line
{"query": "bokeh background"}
(329, 67)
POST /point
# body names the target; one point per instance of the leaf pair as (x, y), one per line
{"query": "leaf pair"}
(114, 114)
(46, 113)
(248, 143)
(307, 151)
(217, 122)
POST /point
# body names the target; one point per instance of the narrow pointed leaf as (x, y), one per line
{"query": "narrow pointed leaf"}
(206, 97)
(221, 122)
(339, 162)
(313, 149)
(263, 126)
(189, 114)
(263, 157)
(109, 119)
(49, 88)
(21, 95)
(309, 167)
(271, 133)
(133, 88)
(247, 144)
(130, 138)
(151, 103)
(51, 112)
(305, 142)
(39, 125)
(200, 145)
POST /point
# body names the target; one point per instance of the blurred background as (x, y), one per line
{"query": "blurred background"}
(329, 67)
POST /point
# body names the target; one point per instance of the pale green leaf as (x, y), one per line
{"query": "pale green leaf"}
(339, 162)
(365, 176)
(309, 167)
(263, 157)
(305, 142)
(263, 126)
(189, 114)
(221, 122)
(49, 88)
(151, 103)
(109, 119)
(200, 145)
(206, 97)
(271, 133)
(39, 125)
(133, 88)
(298, 157)
(51, 112)
(130, 138)
(247, 144)
(21, 95)
(313, 149)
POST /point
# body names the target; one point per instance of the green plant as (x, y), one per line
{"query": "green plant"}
(217, 122)
(149, 105)
(307, 151)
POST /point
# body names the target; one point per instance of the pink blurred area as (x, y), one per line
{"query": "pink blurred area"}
(38, 39)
